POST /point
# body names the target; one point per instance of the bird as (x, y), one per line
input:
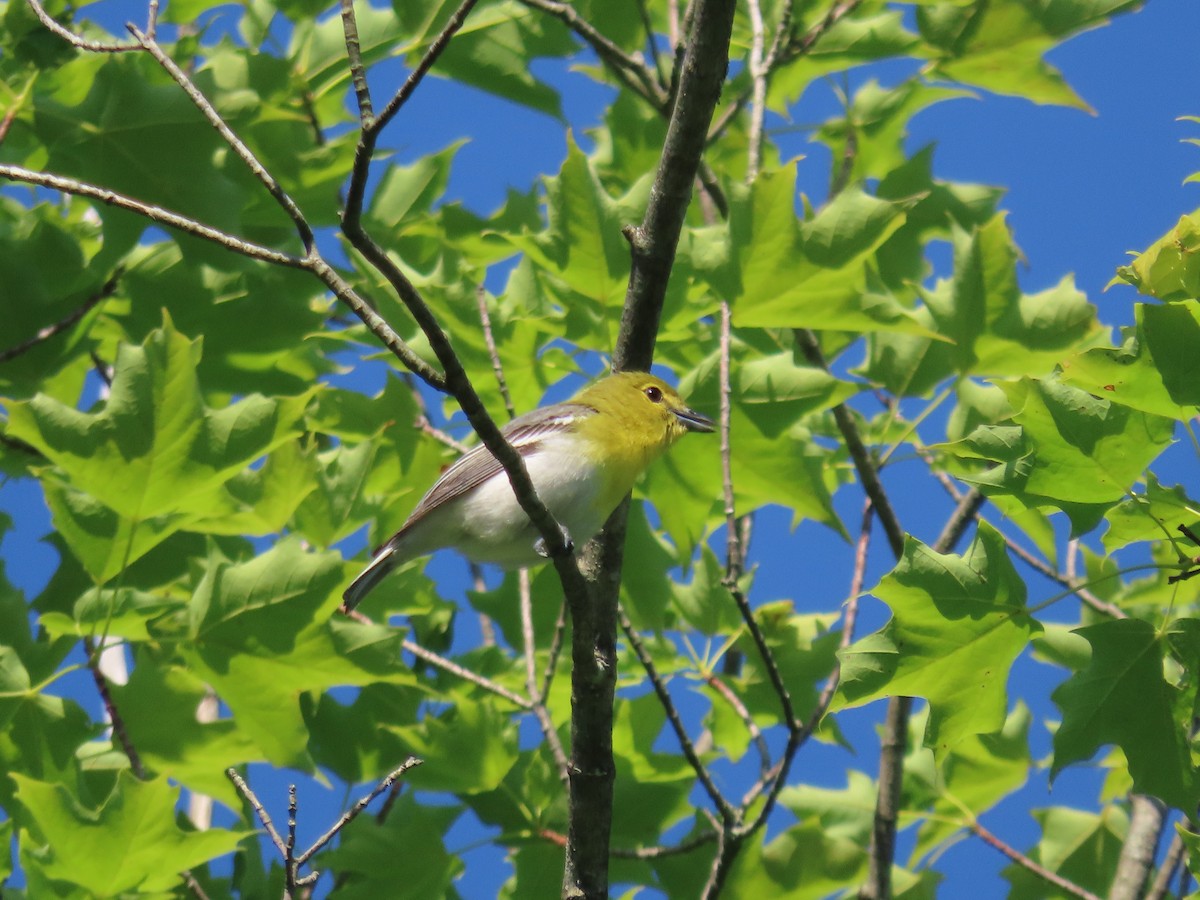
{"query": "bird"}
(583, 456)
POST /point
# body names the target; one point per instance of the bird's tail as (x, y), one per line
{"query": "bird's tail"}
(383, 562)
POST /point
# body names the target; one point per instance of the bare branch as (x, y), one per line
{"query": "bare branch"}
(758, 90)
(351, 814)
(556, 645)
(1170, 864)
(259, 810)
(849, 619)
(151, 46)
(658, 852)
(83, 43)
(1036, 868)
(358, 72)
(1136, 862)
(465, 674)
(863, 464)
(652, 42)
(536, 698)
(371, 127)
(654, 242)
(489, 338)
(631, 72)
(594, 613)
(882, 852)
(111, 712)
(756, 734)
(152, 212)
(728, 814)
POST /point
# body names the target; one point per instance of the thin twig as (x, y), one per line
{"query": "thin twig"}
(489, 339)
(758, 90)
(153, 213)
(286, 203)
(849, 618)
(371, 126)
(660, 852)
(630, 71)
(83, 43)
(349, 815)
(290, 865)
(417, 75)
(194, 886)
(106, 290)
(863, 464)
(728, 813)
(756, 733)
(454, 668)
(556, 645)
(536, 699)
(259, 810)
(784, 49)
(112, 712)
(1032, 866)
(652, 43)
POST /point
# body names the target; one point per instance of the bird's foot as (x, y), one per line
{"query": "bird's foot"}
(568, 546)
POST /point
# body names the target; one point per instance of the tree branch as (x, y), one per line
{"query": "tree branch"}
(1136, 862)
(594, 615)
(728, 814)
(152, 212)
(1036, 868)
(653, 243)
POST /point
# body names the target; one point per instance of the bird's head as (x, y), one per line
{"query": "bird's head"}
(639, 410)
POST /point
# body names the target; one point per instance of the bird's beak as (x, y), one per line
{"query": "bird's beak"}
(692, 420)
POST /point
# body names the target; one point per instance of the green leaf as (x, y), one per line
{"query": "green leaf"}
(958, 624)
(1122, 698)
(1000, 46)
(1170, 268)
(135, 132)
(1153, 515)
(1079, 846)
(803, 863)
(130, 842)
(975, 776)
(158, 708)
(583, 246)
(784, 273)
(996, 329)
(871, 136)
(469, 748)
(49, 293)
(155, 449)
(1085, 449)
(367, 856)
(1128, 374)
(1172, 336)
(259, 634)
(705, 604)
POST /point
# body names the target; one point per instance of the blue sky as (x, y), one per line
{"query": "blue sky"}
(1082, 191)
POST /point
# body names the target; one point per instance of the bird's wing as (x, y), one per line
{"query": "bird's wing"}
(477, 465)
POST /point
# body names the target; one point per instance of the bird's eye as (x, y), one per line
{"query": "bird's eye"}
(654, 394)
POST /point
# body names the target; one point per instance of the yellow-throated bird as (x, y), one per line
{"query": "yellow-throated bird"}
(583, 456)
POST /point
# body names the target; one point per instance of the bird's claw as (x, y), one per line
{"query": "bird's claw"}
(568, 546)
